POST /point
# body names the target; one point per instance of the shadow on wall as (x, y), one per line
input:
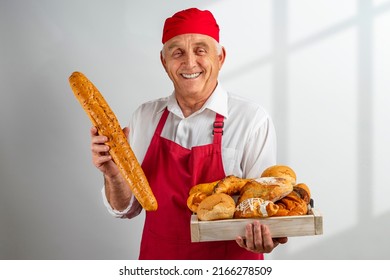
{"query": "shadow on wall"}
(366, 241)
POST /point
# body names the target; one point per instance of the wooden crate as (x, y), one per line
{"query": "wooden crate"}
(286, 226)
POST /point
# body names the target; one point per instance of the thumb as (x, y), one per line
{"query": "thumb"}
(126, 131)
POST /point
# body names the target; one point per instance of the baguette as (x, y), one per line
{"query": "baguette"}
(104, 119)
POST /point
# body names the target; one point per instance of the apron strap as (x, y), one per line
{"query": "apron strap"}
(218, 129)
(162, 121)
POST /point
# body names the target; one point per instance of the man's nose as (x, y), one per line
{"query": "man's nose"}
(190, 60)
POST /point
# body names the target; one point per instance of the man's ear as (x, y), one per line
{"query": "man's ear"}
(163, 62)
(222, 57)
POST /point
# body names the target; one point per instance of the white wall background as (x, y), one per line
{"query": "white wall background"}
(321, 68)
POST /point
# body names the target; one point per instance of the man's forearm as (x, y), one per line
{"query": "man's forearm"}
(117, 192)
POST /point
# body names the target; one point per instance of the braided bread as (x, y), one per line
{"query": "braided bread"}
(296, 202)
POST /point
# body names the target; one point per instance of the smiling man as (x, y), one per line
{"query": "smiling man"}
(192, 62)
(200, 133)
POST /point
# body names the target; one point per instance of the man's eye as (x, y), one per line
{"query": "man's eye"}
(201, 51)
(176, 53)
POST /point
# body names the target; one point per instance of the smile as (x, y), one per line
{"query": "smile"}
(191, 76)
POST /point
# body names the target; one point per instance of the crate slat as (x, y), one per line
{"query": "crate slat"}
(310, 224)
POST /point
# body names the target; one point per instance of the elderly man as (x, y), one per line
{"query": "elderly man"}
(200, 133)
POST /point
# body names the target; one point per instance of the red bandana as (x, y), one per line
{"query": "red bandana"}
(191, 21)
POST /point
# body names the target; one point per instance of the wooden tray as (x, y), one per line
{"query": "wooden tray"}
(310, 224)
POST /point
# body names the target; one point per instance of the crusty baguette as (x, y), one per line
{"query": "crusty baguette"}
(107, 124)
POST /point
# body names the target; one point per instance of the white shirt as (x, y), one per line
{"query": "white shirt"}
(248, 141)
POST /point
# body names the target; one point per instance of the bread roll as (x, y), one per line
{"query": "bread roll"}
(279, 181)
(217, 206)
(254, 189)
(255, 208)
(107, 124)
(282, 171)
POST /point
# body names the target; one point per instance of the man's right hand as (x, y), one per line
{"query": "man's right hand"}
(101, 157)
(116, 189)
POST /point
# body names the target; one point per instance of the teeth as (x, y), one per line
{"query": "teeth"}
(191, 76)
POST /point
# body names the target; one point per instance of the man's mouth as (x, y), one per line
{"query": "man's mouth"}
(191, 76)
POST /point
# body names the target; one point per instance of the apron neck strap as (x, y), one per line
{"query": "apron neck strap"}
(218, 128)
(162, 121)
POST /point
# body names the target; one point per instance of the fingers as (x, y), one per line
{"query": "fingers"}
(248, 242)
(93, 131)
(258, 239)
(280, 240)
(99, 149)
(101, 157)
(98, 145)
(267, 242)
(97, 139)
(126, 131)
(241, 242)
(250, 232)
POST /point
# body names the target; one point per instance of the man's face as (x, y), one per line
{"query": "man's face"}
(192, 63)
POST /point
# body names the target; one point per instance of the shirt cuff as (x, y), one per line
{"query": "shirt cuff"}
(132, 210)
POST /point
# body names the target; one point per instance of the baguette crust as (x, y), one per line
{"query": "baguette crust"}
(104, 119)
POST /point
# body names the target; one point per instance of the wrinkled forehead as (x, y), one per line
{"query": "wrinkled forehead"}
(191, 40)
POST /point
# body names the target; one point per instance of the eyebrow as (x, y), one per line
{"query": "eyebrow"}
(197, 44)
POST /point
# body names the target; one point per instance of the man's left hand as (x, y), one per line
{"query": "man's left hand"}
(258, 239)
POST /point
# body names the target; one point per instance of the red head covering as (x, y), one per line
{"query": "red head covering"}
(191, 21)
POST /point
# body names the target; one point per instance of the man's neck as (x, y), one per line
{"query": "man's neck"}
(189, 104)
(188, 107)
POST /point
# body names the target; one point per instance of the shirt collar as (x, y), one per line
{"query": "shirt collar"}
(217, 102)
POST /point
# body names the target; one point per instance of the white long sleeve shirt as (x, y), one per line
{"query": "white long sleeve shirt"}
(248, 141)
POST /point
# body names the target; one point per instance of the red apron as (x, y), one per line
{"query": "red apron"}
(171, 171)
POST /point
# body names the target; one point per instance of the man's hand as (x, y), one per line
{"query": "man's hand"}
(100, 153)
(116, 189)
(258, 239)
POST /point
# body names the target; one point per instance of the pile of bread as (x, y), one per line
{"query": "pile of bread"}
(275, 193)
